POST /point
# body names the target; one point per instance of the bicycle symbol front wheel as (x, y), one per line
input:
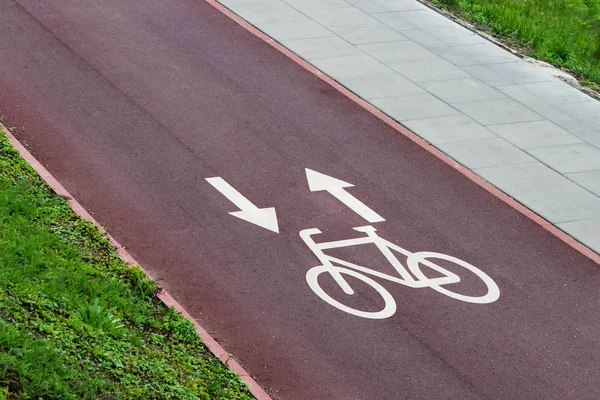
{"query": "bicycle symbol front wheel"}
(312, 278)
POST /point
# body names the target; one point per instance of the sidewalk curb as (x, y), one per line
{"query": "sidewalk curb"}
(255, 389)
(569, 240)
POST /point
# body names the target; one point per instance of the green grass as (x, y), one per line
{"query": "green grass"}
(565, 33)
(75, 321)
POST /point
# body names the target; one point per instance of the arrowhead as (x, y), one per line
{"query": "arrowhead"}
(318, 181)
(263, 217)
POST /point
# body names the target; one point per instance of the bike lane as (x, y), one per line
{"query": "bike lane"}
(133, 106)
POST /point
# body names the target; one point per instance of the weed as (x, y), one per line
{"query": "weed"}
(99, 318)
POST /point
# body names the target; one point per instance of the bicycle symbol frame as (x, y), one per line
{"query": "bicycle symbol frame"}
(337, 267)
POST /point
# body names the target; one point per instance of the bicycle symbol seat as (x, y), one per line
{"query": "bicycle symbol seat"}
(337, 267)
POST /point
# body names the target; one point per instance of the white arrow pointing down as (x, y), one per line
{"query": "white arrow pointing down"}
(318, 181)
(263, 217)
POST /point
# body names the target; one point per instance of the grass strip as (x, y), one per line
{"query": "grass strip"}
(565, 33)
(78, 323)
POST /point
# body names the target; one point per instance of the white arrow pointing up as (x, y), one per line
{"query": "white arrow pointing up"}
(263, 217)
(318, 181)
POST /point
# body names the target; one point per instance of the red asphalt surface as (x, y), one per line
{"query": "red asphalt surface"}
(131, 105)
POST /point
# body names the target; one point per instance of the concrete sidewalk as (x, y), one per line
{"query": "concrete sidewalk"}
(512, 122)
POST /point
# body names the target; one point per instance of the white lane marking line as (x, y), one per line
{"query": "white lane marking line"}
(318, 181)
(263, 217)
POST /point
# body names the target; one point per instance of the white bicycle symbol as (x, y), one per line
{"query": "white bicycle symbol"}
(413, 261)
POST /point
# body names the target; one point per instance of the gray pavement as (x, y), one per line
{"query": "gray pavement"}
(512, 122)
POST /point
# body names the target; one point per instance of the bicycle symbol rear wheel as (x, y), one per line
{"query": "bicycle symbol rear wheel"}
(312, 277)
(421, 257)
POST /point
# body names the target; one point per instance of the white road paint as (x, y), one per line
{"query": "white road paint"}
(416, 262)
(410, 275)
(318, 182)
(263, 217)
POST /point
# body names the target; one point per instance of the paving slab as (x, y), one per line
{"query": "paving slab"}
(380, 6)
(478, 54)
(510, 73)
(526, 135)
(462, 90)
(307, 6)
(341, 17)
(586, 112)
(405, 50)
(587, 231)
(368, 6)
(271, 12)
(442, 37)
(485, 153)
(545, 93)
(494, 112)
(419, 19)
(564, 205)
(342, 67)
(323, 47)
(558, 114)
(531, 177)
(377, 86)
(589, 180)
(376, 33)
(570, 158)
(244, 3)
(429, 70)
(456, 128)
(292, 30)
(414, 107)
